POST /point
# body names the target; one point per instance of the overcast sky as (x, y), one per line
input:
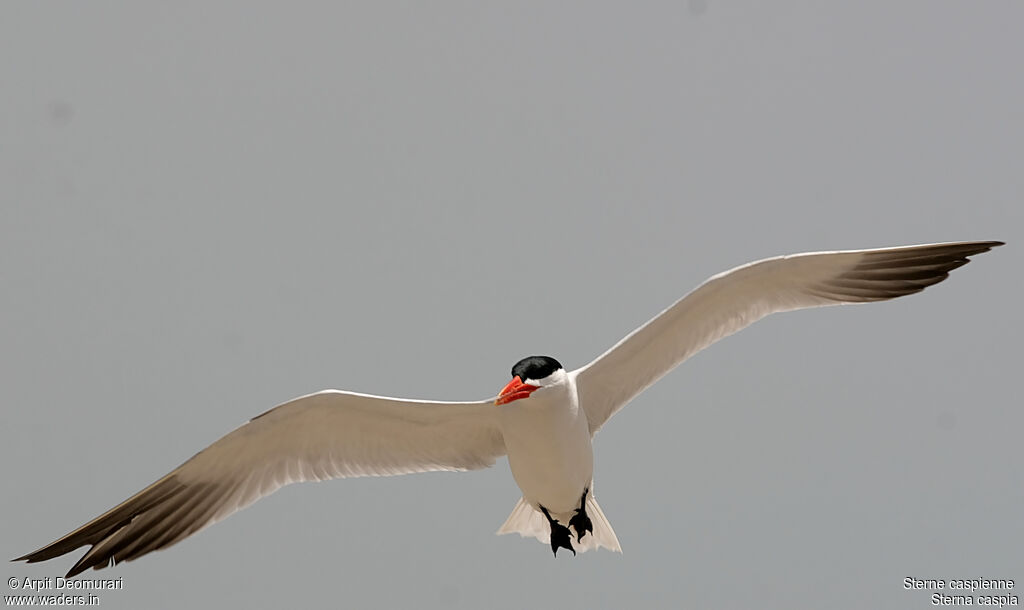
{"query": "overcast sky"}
(209, 208)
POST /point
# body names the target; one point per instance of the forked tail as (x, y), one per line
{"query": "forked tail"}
(527, 521)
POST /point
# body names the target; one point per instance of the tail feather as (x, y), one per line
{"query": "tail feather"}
(528, 522)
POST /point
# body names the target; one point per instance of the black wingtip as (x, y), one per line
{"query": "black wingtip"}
(100, 528)
(78, 568)
(40, 555)
(33, 557)
(985, 246)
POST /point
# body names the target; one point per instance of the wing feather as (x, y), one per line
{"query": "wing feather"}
(730, 301)
(327, 435)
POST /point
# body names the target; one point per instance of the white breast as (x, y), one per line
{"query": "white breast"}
(549, 452)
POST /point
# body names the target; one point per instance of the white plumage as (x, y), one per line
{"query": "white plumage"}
(545, 428)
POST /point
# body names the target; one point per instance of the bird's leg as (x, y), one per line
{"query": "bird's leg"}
(580, 521)
(560, 535)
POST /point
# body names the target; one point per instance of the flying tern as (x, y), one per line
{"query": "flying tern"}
(544, 419)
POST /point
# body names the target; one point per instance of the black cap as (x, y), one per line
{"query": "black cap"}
(535, 367)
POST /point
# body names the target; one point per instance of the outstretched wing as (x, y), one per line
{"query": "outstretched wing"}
(733, 300)
(326, 435)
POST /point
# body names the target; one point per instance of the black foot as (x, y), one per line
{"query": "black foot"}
(561, 537)
(580, 521)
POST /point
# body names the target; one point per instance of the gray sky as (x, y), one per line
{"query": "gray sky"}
(206, 210)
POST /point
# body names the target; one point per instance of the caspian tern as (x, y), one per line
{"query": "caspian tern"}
(544, 419)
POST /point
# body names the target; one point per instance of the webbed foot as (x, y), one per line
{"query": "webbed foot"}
(581, 521)
(561, 537)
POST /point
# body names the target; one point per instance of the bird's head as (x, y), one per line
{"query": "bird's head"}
(529, 375)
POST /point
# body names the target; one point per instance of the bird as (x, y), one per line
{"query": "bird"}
(544, 419)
